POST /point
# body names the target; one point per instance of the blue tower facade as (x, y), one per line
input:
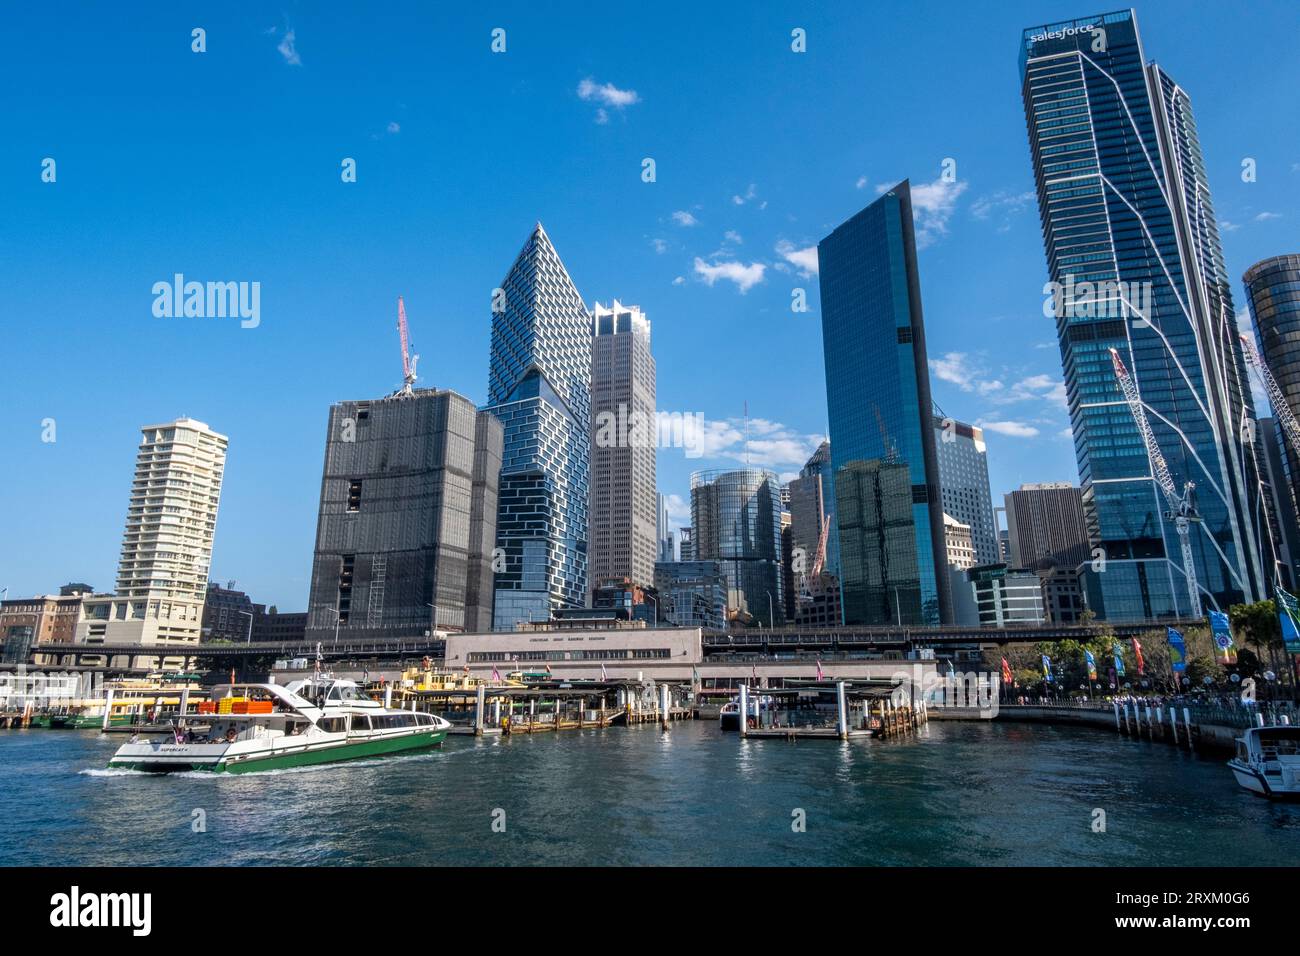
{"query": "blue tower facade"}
(1135, 264)
(884, 472)
(539, 386)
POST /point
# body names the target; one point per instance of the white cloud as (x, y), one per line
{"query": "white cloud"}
(732, 236)
(602, 116)
(750, 193)
(1265, 216)
(394, 128)
(684, 218)
(805, 260)
(1226, 226)
(606, 94)
(660, 245)
(680, 280)
(288, 50)
(1002, 201)
(1014, 429)
(861, 183)
(771, 444)
(957, 369)
(744, 276)
(932, 206)
(679, 510)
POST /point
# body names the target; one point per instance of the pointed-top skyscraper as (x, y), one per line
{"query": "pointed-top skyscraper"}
(539, 386)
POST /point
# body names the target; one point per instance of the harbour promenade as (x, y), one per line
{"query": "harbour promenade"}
(1190, 725)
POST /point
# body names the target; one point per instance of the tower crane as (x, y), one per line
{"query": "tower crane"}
(1182, 509)
(408, 360)
(1281, 407)
(819, 559)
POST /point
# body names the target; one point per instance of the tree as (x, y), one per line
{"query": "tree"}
(1257, 624)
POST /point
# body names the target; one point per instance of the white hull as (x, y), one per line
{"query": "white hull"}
(1268, 762)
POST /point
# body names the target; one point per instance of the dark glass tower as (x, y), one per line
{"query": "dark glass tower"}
(539, 386)
(885, 473)
(1273, 294)
(1135, 265)
(736, 521)
(408, 495)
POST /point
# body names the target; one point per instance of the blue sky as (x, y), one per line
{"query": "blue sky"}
(225, 165)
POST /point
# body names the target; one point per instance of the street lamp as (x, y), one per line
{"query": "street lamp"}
(771, 618)
(656, 600)
(249, 615)
(435, 614)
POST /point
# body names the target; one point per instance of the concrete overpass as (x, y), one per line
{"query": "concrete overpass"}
(750, 646)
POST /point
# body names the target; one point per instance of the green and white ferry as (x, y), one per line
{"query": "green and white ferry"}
(248, 727)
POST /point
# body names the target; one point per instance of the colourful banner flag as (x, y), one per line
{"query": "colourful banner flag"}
(1117, 652)
(496, 674)
(1137, 655)
(1006, 672)
(821, 674)
(1221, 629)
(1177, 650)
(1092, 664)
(1047, 668)
(1288, 613)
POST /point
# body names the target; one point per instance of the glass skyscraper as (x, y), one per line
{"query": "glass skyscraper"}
(736, 521)
(1135, 264)
(885, 472)
(1273, 294)
(539, 386)
(964, 477)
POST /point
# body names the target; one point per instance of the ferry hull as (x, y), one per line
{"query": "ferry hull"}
(249, 763)
(1257, 783)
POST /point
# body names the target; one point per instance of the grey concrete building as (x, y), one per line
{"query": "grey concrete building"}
(1006, 595)
(1046, 526)
(622, 510)
(407, 517)
(810, 505)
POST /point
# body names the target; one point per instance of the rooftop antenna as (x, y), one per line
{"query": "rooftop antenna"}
(746, 433)
(408, 360)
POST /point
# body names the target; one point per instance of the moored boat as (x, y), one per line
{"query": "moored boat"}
(269, 727)
(1268, 761)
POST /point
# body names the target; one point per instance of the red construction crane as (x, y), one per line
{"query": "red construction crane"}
(408, 360)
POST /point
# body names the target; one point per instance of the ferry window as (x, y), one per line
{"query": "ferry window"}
(360, 722)
(333, 725)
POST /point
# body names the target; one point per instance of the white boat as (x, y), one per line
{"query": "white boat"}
(729, 713)
(269, 727)
(1268, 761)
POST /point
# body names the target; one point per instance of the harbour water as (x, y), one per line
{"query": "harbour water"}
(957, 793)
